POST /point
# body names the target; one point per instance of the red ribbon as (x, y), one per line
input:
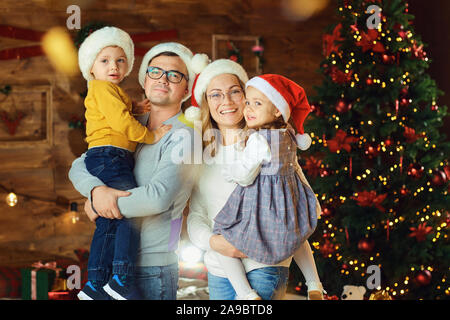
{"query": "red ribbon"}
(20, 33)
(396, 107)
(351, 166)
(387, 231)
(346, 236)
(401, 163)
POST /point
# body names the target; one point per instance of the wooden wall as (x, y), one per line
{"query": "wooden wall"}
(292, 48)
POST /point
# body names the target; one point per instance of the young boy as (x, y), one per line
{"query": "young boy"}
(105, 58)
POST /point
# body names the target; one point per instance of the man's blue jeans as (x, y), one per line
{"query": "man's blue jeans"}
(269, 282)
(157, 283)
(116, 241)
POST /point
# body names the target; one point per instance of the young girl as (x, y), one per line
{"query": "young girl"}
(270, 217)
(105, 58)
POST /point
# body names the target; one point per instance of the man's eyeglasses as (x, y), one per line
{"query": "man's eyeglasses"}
(218, 97)
(172, 75)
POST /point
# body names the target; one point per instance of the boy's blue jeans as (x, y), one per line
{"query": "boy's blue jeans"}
(115, 242)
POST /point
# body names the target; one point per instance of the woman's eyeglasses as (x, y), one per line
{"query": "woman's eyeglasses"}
(172, 75)
(236, 95)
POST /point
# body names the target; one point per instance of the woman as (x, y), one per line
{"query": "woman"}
(219, 91)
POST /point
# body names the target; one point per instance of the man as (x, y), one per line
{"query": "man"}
(164, 184)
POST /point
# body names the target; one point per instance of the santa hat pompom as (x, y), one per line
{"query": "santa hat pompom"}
(303, 141)
(192, 114)
(199, 62)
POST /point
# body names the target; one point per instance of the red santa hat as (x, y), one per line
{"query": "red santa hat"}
(289, 98)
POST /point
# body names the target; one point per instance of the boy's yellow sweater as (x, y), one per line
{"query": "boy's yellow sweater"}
(108, 118)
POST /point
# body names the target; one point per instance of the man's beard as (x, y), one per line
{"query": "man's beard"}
(160, 100)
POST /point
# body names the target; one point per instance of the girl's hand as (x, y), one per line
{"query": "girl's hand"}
(141, 107)
(89, 212)
(218, 243)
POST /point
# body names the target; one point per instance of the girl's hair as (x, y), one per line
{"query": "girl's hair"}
(209, 124)
(278, 123)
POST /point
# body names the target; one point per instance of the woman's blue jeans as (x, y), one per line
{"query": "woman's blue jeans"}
(269, 282)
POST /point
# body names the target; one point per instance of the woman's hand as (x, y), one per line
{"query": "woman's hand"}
(218, 243)
(89, 212)
(104, 200)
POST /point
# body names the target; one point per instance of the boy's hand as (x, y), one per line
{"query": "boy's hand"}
(141, 107)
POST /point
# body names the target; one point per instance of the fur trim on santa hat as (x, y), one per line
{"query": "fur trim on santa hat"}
(214, 69)
(183, 52)
(102, 38)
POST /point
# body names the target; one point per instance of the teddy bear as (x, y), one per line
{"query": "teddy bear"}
(353, 293)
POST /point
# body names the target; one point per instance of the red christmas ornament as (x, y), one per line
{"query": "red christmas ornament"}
(327, 211)
(366, 245)
(388, 142)
(404, 191)
(447, 171)
(423, 278)
(404, 102)
(317, 110)
(327, 248)
(372, 150)
(434, 107)
(342, 106)
(324, 173)
(415, 171)
(404, 91)
(439, 178)
(369, 81)
(387, 59)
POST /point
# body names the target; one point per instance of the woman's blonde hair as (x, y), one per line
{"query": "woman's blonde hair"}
(210, 127)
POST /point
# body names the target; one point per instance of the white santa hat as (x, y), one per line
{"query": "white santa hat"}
(183, 52)
(205, 73)
(289, 98)
(99, 39)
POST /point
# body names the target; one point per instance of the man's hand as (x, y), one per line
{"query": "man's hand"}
(104, 200)
(89, 212)
(221, 245)
(141, 107)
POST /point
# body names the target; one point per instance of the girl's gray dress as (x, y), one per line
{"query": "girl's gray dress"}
(269, 219)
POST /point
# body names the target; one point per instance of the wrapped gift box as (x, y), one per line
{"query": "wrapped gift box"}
(36, 283)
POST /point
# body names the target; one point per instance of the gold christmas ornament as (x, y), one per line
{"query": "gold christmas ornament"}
(61, 51)
(380, 295)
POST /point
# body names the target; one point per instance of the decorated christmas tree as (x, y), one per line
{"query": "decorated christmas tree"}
(379, 162)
